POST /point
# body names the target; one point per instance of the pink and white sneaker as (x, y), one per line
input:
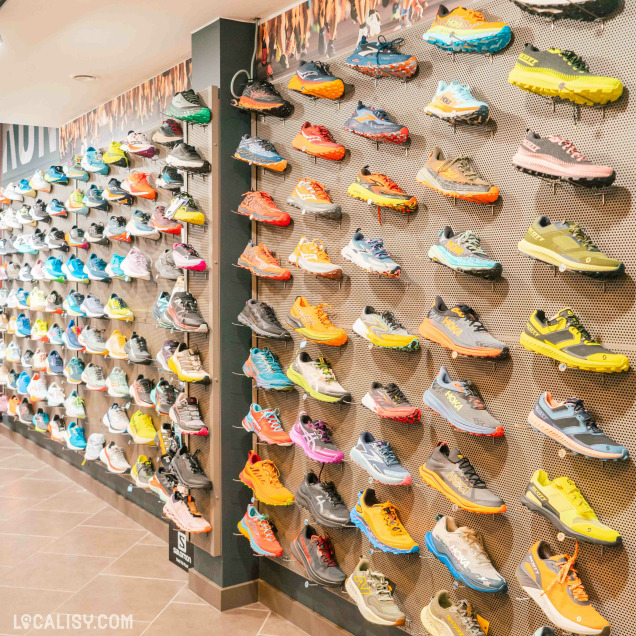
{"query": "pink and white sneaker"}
(182, 510)
(315, 439)
(186, 257)
(136, 264)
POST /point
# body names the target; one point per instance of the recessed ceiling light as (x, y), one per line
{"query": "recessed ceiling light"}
(84, 78)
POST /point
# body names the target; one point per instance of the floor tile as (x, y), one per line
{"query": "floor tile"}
(72, 501)
(42, 522)
(153, 539)
(9, 475)
(20, 603)
(49, 474)
(138, 627)
(256, 606)
(276, 625)
(10, 506)
(10, 451)
(27, 487)
(188, 596)
(179, 618)
(93, 541)
(60, 572)
(5, 442)
(142, 598)
(147, 560)
(23, 460)
(15, 548)
(111, 518)
(242, 622)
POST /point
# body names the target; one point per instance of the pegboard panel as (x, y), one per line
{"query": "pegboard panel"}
(510, 387)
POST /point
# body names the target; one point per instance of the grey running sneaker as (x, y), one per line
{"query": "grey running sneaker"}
(140, 390)
(93, 377)
(37, 241)
(459, 329)
(94, 198)
(187, 106)
(25, 412)
(168, 134)
(372, 593)
(317, 378)
(142, 471)
(442, 612)
(165, 353)
(137, 350)
(94, 445)
(461, 550)
(161, 222)
(186, 415)
(25, 273)
(13, 270)
(116, 419)
(185, 157)
(188, 470)
(54, 303)
(316, 555)
(384, 330)
(183, 314)
(323, 501)
(116, 229)
(170, 179)
(55, 240)
(166, 267)
(389, 402)
(92, 306)
(95, 233)
(117, 383)
(311, 196)
(262, 320)
(164, 395)
(459, 402)
(450, 472)
(93, 340)
(38, 211)
(379, 460)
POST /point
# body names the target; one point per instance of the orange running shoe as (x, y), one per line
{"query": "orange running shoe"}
(260, 261)
(260, 206)
(314, 78)
(311, 256)
(258, 530)
(378, 189)
(311, 196)
(136, 183)
(318, 142)
(261, 475)
(312, 322)
(266, 424)
(14, 402)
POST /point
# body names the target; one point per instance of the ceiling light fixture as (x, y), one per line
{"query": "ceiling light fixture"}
(84, 78)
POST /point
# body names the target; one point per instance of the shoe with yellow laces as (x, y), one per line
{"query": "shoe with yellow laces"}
(312, 322)
(261, 475)
(117, 309)
(381, 524)
(141, 428)
(312, 257)
(114, 346)
(563, 505)
(553, 583)
(563, 338)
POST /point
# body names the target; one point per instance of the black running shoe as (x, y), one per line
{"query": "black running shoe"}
(323, 501)
(316, 555)
(188, 470)
(262, 97)
(262, 320)
(186, 157)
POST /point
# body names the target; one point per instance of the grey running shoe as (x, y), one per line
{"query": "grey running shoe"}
(459, 329)
(185, 157)
(166, 267)
(183, 313)
(459, 402)
(26, 360)
(96, 269)
(54, 303)
(170, 179)
(92, 306)
(140, 390)
(38, 211)
(7, 247)
(311, 196)
(94, 198)
(450, 472)
(117, 383)
(379, 460)
(93, 377)
(188, 470)
(25, 273)
(164, 395)
(137, 350)
(186, 415)
(316, 555)
(323, 501)
(95, 233)
(116, 229)
(317, 378)
(372, 593)
(384, 330)
(168, 134)
(37, 241)
(93, 340)
(459, 619)
(55, 240)
(75, 237)
(463, 553)
(262, 320)
(165, 353)
(142, 472)
(25, 412)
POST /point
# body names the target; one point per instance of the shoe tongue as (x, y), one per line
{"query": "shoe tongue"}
(564, 313)
(458, 310)
(565, 482)
(454, 455)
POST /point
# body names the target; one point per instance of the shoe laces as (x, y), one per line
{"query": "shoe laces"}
(269, 313)
(190, 250)
(146, 467)
(193, 360)
(391, 520)
(471, 317)
(191, 97)
(573, 322)
(325, 550)
(585, 415)
(268, 471)
(470, 622)
(265, 144)
(388, 45)
(569, 576)
(471, 241)
(572, 58)
(581, 237)
(387, 183)
(327, 372)
(266, 255)
(390, 318)
(568, 146)
(174, 126)
(315, 188)
(376, 247)
(117, 453)
(463, 166)
(472, 394)
(323, 68)
(195, 466)
(323, 315)
(396, 395)
(266, 526)
(387, 453)
(322, 132)
(323, 430)
(475, 14)
(317, 246)
(98, 372)
(329, 488)
(474, 541)
(273, 419)
(270, 361)
(145, 384)
(469, 473)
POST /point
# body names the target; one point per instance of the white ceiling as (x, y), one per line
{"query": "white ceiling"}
(124, 42)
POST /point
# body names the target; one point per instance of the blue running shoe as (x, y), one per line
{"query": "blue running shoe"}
(25, 189)
(463, 253)
(159, 309)
(53, 270)
(93, 198)
(72, 303)
(375, 123)
(12, 380)
(55, 334)
(22, 326)
(74, 437)
(22, 297)
(23, 383)
(170, 179)
(74, 270)
(54, 363)
(92, 161)
(55, 174)
(73, 370)
(70, 337)
(56, 208)
(96, 268)
(454, 102)
(570, 424)
(379, 460)
(114, 270)
(73, 169)
(41, 421)
(260, 152)
(370, 255)
(264, 368)
(138, 226)
(381, 59)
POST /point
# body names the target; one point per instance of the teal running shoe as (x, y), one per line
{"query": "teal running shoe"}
(264, 368)
(381, 58)
(55, 174)
(92, 161)
(73, 169)
(463, 253)
(454, 102)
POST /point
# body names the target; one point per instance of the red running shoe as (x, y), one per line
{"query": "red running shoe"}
(318, 142)
(261, 207)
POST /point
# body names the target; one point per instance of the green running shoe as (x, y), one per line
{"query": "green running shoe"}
(565, 245)
(186, 106)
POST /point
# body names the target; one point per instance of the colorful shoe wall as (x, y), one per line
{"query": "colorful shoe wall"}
(482, 316)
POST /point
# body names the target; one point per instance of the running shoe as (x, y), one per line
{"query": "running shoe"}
(370, 255)
(317, 141)
(54, 363)
(185, 414)
(141, 428)
(182, 312)
(116, 229)
(260, 152)
(316, 555)
(263, 98)
(311, 196)
(137, 144)
(259, 206)
(73, 169)
(25, 274)
(41, 421)
(565, 245)
(55, 174)
(466, 30)
(565, 339)
(73, 370)
(454, 102)
(442, 616)
(589, 10)
(137, 265)
(115, 193)
(182, 511)
(459, 329)
(569, 423)
(159, 221)
(12, 192)
(53, 270)
(187, 106)
(136, 184)
(114, 270)
(96, 269)
(24, 216)
(463, 253)
(377, 189)
(117, 384)
(116, 419)
(264, 368)
(74, 271)
(39, 183)
(24, 188)
(317, 379)
(258, 530)
(56, 208)
(384, 330)
(381, 524)
(315, 439)
(261, 262)
(313, 323)
(183, 208)
(75, 238)
(117, 309)
(455, 178)
(166, 267)
(262, 320)
(315, 79)
(186, 364)
(461, 550)
(379, 460)
(92, 161)
(94, 199)
(55, 240)
(562, 504)
(93, 340)
(55, 395)
(114, 459)
(381, 58)
(323, 501)
(23, 326)
(311, 257)
(115, 156)
(562, 74)
(170, 179)
(25, 412)
(389, 402)
(93, 377)
(450, 472)
(137, 350)
(165, 353)
(261, 475)
(186, 158)
(142, 472)
(94, 446)
(375, 123)
(461, 405)
(267, 426)
(75, 203)
(38, 212)
(186, 257)
(55, 334)
(168, 134)
(163, 396)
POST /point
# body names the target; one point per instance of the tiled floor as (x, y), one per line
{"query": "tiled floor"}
(63, 551)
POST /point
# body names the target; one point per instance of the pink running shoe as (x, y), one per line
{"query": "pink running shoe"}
(315, 439)
(159, 221)
(183, 512)
(186, 257)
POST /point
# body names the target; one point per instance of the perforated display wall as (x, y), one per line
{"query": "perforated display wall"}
(511, 387)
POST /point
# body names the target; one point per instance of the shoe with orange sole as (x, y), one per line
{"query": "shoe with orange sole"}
(261, 475)
(314, 79)
(554, 585)
(375, 188)
(311, 196)
(312, 322)
(136, 183)
(260, 261)
(257, 529)
(450, 472)
(312, 257)
(317, 141)
(260, 206)
(455, 178)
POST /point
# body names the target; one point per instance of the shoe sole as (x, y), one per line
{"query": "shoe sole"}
(184, 378)
(281, 221)
(411, 343)
(428, 331)
(200, 168)
(358, 459)
(351, 255)
(316, 150)
(405, 69)
(299, 380)
(477, 116)
(202, 116)
(174, 520)
(301, 263)
(270, 502)
(333, 89)
(278, 166)
(406, 205)
(538, 168)
(368, 402)
(433, 625)
(285, 274)
(397, 137)
(450, 41)
(475, 197)
(359, 522)
(245, 531)
(316, 336)
(437, 254)
(259, 332)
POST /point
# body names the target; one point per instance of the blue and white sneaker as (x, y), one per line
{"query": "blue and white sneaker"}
(25, 189)
(74, 436)
(370, 255)
(23, 382)
(55, 334)
(454, 102)
(73, 370)
(170, 179)
(379, 460)
(375, 124)
(54, 363)
(70, 337)
(53, 270)
(92, 307)
(92, 161)
(56, 208)
(23, 326)
(96, 268)
(72, 304)
(381, 58)
(138, 226)
(264, 368)
(74, 270)
(260, 152)
(463, 253)
(55, 174)
(114, 270)
(22, 298)
(93, 198)
(570, 424)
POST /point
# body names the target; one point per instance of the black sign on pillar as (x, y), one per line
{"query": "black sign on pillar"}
(181, 551)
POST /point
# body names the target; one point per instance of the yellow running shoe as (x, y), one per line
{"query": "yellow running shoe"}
(378, 189)
(39, 330)
(314, 78)
(563, 505)
(115, 156)
(383, 330)
(117, 309)
(186, 363)
(311, 256)
(261, 475)
(564, 338)
(141, 428)
(183, 208)
(115, 346)
(313, 322)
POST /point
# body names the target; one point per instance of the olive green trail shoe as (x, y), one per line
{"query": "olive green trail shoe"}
(565, 245)
(441, 616)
